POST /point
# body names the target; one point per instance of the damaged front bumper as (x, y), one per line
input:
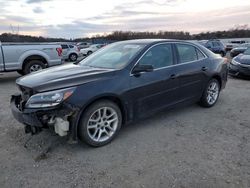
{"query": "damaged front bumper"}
(61, 118)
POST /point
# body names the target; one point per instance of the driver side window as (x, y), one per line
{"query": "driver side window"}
(158, 56)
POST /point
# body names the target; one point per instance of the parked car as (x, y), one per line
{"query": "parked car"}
(82, 45)
(238, 50)
(91, 49)
(125, 81)
(70, 52)
(29, 57)
(234, 44)
(240, 65)
(215, 46)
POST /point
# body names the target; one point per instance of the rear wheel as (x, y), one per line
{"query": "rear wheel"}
(210, 94)
(100, 123)
(89, 52)
(20, 72)
(33, 66)
(222, 54)
(73, 57)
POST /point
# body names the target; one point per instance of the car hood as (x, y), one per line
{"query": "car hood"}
(240, 49)
(63, 76)
(243, 59)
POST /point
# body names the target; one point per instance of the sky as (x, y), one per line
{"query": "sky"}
(85, 18)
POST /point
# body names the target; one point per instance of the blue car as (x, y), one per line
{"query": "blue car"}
(215, 46)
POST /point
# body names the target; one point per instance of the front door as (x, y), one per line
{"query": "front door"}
(152, 91)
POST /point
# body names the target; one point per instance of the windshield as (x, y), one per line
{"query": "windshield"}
(245, 45)
(247, 52)
(113, 56)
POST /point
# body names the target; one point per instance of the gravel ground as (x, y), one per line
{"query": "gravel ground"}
(183, 148)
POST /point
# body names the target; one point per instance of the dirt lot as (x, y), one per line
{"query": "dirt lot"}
(186, 147)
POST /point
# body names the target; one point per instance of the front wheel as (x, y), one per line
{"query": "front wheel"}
(100, 123)
(210, 94)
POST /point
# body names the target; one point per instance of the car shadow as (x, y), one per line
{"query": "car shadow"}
(49, 142)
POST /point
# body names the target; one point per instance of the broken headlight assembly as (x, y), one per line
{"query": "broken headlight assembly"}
(49, 99)
(234, 62)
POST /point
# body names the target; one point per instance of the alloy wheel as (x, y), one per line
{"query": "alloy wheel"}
(73, 57)
(35, 67)
(102, 124)
(212, 93)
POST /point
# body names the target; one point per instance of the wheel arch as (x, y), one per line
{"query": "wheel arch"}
(111, 97)
(36, 54)
(72, 53)
(34, 57)
(218, 77)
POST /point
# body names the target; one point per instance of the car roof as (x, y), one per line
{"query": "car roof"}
(150, 41)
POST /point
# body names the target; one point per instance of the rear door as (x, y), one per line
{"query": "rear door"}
(152, 91)
(191, 70)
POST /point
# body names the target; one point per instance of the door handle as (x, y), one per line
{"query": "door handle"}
(173, 76)
(204, 68)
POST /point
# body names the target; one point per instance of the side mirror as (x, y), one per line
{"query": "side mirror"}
(142, 68)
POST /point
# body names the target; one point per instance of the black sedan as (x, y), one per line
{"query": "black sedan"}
(240, 49)
(240, 65)
(122, 82)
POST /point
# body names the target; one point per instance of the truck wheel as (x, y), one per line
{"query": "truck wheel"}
(32, 66)
(20, 72)
(73, 57)
(100, 123)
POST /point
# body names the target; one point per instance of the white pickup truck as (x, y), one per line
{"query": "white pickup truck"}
(29, 57)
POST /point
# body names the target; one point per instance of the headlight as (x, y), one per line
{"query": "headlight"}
(49, 99)
(235, 62)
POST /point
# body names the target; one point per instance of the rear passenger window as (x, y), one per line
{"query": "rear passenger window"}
(200, 55)
(188, 53)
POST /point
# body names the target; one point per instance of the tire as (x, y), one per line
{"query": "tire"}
(73, 57)
(20, 72)
(210, 94)
(95, 128)
(222, 54)
(89, 52)
(32, 66)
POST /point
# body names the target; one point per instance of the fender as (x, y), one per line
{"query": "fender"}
(76, 119)
(31, 53)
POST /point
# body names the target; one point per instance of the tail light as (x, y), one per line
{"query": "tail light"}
(78, 49)
(226, 60)
(59, 51)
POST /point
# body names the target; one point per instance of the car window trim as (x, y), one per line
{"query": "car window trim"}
(176, 63)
